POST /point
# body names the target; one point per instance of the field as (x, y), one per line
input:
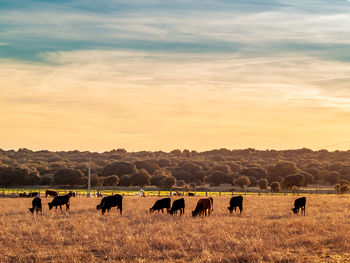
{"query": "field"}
(266, 232)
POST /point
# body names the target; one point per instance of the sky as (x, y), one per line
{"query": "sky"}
(162, 75)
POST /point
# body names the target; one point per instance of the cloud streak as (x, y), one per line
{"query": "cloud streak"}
(163, 75)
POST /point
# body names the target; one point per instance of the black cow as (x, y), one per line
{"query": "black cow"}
(299, 203)
(60, 201)
(236, 201)
(32, 194)
(160, 205)
(51, 192)
(36, 205)
(178, 204)
(111, 201)
(190, 194)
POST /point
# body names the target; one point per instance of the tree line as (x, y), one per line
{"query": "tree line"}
(241, 168)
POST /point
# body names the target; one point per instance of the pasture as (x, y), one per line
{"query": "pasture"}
(267, 231)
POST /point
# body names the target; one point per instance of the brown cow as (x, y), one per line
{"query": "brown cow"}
(204, 206)
(51, 193)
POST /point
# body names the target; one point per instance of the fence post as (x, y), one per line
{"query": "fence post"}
(219, 193)
(206, 193)
(158, 193)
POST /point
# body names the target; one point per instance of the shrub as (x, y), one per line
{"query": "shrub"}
(141, 178)
(292, 180)
(125, 180)
(342, 186)
(262, 183)
(111, 180)
(242, 181)
(275, 187)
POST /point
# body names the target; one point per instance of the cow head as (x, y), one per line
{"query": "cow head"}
(50, 205)
(230, 209)
(31, 210)
(98, 207)
(151, 210)
(170, 211)
(194, 213)
(295, 210)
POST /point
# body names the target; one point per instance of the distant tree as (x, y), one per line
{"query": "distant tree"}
(256, 172)
(149, 165)
(95, 180)
(216, 178)
(111, 180)
(342, 186)
(176, 152)
(10, 176)
(235, 167)
(332, 177)
(337, 166)
(281, 169)
(168, 182)
(309, 179)
(224, 168)
(141, 178)
(67, 176)
(46, 179)
(275, 187)
(164, 163)
(295, 189)
(263, 183)
(293, 180)
(32, 178)
(242, 181)
(253, 181)
(125, 180)
(119, 169)
(157, 179)
(180, 183)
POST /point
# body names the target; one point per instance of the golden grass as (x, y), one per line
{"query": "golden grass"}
(266, 232)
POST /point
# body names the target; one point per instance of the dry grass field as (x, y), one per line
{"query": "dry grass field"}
(266, 232)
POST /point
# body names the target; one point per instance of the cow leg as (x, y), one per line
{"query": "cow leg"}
(61, 207)
(162, 211)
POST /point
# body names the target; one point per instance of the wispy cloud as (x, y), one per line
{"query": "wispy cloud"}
(137, 95)
(161, 75)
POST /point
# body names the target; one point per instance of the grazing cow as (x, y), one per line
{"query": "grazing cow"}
(190, 194)
(59, 201)
(32, 194)
(111, 201)
(51, 193)
(299, 203)
(236, 201)
(178, 204)
(204, 206)
(36, 205)
(161, 204)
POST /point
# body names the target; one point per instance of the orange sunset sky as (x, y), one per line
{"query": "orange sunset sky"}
(155, 76)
